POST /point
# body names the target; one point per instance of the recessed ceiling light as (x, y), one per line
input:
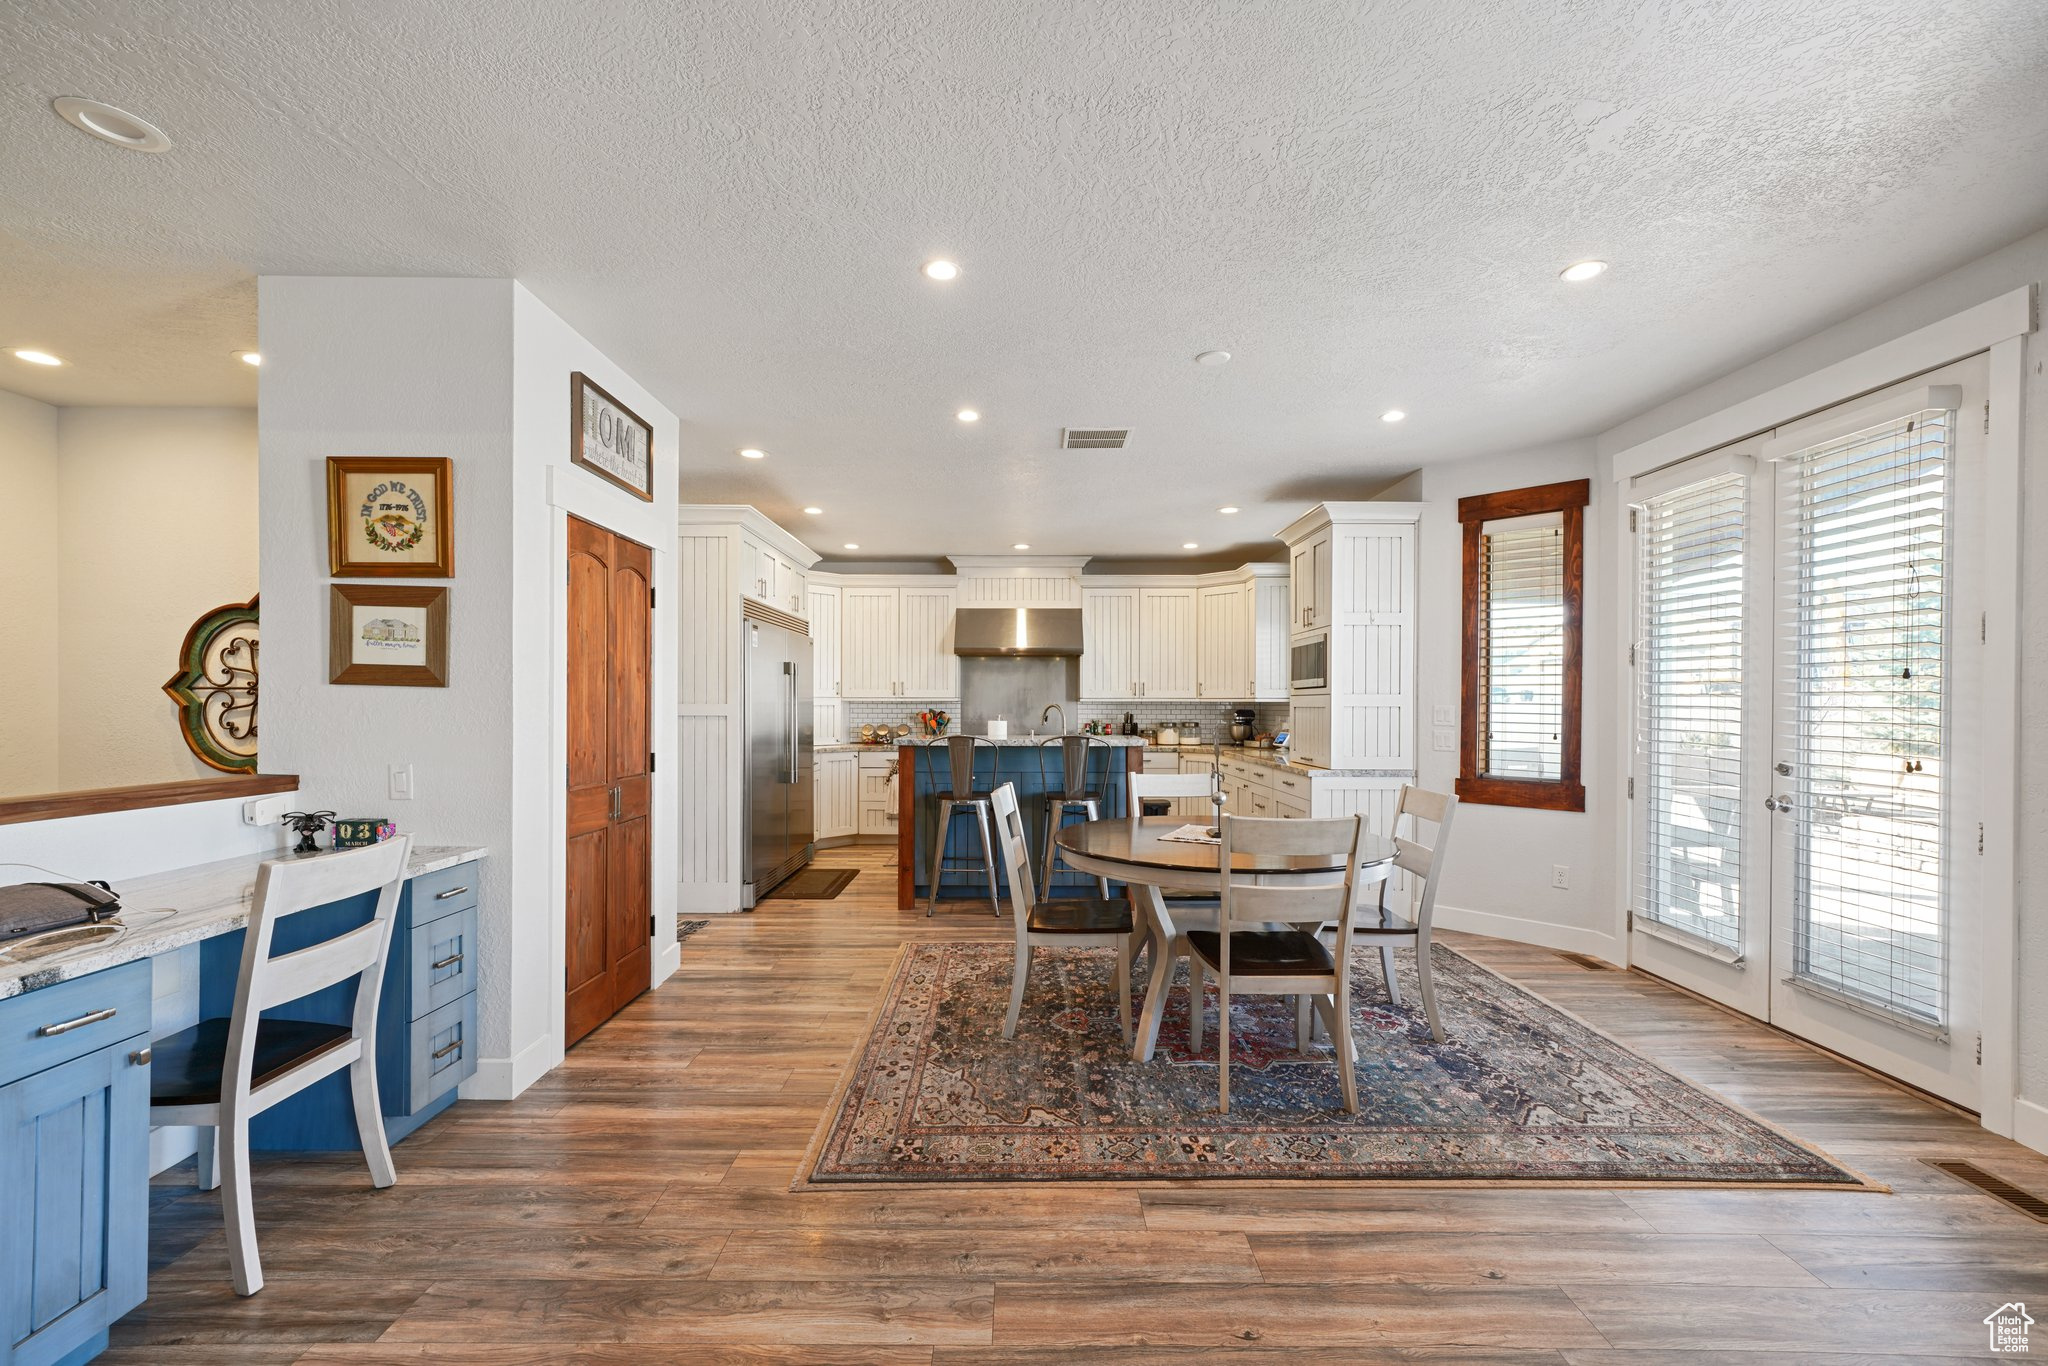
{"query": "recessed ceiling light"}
(941, 270)
(1020, 546)
(1189, 545)
(37, 357)
(968, 415)
(1393, 415)
(249, 357)
(1582, 270)
(751, 454)
(1213, 358)
(852, 545)
(109, 124)
(1228, 512)
(814, 512)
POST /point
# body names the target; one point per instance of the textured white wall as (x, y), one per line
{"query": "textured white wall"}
(29, 561)
(158, 527)
(2022, 263)
(1498, 878)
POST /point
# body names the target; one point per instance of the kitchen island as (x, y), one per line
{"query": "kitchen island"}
(922, 772)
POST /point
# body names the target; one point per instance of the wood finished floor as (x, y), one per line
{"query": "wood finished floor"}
(633, 1207)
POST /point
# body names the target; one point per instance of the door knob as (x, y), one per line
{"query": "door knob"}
(1777, 803)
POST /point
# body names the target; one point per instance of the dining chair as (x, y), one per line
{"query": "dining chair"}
(958, 789)
(1080, 783)
(1424, 862)
(1060, 922)
(1158, 788)
(1248, 956)
(221, 1073)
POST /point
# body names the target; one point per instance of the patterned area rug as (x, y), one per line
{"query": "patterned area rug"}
(686, 928)
(1519, 1091)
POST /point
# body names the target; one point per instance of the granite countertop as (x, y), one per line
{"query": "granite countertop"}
(1114, 741)
(164, 911)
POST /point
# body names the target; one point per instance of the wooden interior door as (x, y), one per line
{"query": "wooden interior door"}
(609, 932)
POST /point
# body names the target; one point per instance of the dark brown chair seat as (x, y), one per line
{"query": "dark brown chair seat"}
(1081, 915)
(185, 1067)
(1265, 953)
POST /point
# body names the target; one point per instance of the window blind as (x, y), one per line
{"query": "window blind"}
(1864, 654)
(1521, 647)
(1692, 543)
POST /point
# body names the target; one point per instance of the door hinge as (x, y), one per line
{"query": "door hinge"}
(1987, 417)
(1631, 789)
(650, 927)
(1980, 1048)
(650, 599)
(1631, 519)
(1983, 627)
(1980, 837)
(650, 761)
(1631, 656)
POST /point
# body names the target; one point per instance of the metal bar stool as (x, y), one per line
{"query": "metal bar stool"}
(957, 790)
(1081, 785)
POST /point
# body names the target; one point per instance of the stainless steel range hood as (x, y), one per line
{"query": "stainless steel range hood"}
(1022, 631)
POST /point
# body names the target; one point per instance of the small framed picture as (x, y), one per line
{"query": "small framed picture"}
(391, 516)
(609, 439)
(395, 635)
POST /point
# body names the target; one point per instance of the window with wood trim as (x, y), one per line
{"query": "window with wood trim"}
(1524, 646)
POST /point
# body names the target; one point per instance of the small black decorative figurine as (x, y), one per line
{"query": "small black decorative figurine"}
(307, 824)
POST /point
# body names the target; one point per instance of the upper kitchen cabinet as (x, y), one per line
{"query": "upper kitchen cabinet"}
(1357, 563)
(896, 639)
(775, 575)
(1244, 627)
(1168, 652)
(822, 610)
(1139, 640)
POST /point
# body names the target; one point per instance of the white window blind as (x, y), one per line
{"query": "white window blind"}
(1866, 620)
(1521, 647)
(1689, 678)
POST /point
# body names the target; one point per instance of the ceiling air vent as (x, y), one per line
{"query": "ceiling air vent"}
(1093, 438)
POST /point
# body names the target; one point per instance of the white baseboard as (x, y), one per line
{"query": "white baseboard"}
(1543, 934)
(171, 1144)
(666, 962)
(2030, 1124)
(505, 1078)
(708, 898)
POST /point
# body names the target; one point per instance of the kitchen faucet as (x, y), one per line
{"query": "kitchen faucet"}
(1050, 708)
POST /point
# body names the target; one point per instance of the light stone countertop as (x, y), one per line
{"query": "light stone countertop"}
(165, 911)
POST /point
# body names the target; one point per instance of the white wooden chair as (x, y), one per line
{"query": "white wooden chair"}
(1182, 790)
(1064, 922)
(222, 1072)
(1425, 863)
(1247, 956)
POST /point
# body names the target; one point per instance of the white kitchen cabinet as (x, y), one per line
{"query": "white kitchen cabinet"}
(877, 813)
(1309, 580)
(1225, 647)
(897, 642)
(828, 721)
(1270, 627)
(1357, 560)
(790, 588)
(1139, 642)
(1167, 643)
(822, 607)
(930, 671)
(770, 576)
(838, 794)
(1109, 650)
(1309, 733)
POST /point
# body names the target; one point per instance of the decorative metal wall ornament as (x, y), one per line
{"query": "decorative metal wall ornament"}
(216, 689)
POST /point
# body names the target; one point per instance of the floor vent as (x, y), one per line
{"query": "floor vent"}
(1094, 438)
(1586, 961)
(2026, 1202)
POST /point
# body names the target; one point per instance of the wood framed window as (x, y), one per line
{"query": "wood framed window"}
(1524, 646)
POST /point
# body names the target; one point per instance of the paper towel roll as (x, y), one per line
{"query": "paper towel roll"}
(999, 729)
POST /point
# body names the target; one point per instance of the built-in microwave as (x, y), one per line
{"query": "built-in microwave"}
(1310, 671)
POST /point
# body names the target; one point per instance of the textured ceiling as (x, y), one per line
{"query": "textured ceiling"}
(1367, 203)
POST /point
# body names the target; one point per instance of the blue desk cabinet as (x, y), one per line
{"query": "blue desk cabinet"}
(426, 1014)
(74, 1163)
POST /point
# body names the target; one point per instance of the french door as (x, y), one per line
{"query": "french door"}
(1804, 776)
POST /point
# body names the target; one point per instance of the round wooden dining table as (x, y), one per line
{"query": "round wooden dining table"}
(1135, 851)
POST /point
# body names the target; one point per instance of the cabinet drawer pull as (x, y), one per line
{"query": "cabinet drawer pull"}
(140, 1057)
(452, 891)
(52, 1030)
(445, 1050)
(450, 961)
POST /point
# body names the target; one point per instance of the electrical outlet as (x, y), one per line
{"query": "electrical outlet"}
(401, 783)
(1560, 877)
(1444, 716)
(1445, 740)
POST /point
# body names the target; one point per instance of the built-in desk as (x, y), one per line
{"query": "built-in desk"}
(74, 1074)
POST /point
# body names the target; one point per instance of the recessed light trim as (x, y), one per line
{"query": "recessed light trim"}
(941, 270)
(1190, 545)
(1213, 358)
(1228, 512)
(814, 512)
(1021, 545)
(968, 415)
(1581, 271)
(851, 545)
(1393, 415)
(109, 124)
(249, 357)
(750, 453)
(35, 357)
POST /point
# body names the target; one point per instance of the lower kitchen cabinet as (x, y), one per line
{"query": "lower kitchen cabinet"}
(74, 1164)
(838, 795)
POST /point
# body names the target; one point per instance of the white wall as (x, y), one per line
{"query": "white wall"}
(29, 558)
(476, 370)
(2020, 264)
(158, 528)
(1498, 875)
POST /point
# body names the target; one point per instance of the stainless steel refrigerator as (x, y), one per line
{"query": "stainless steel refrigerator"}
(778, 818)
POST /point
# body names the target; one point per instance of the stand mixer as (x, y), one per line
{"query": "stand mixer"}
(1244, 724)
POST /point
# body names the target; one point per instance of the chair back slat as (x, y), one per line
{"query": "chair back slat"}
(962, 754)
(1016, 853)
(1166, 787)
(1417, 801)
(288, 976)
(1245, 903)
(1426, 861)
(1082, 758)
(1411, 857)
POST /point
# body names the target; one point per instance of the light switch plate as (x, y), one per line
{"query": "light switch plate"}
(1444, 740)
(1444, 716)
(401, 783)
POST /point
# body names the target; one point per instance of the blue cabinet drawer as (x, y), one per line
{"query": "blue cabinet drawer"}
(445, 892)
(443, 1050)
(40, 1029)
(443, 961)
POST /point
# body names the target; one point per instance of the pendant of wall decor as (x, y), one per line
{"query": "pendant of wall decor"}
(215, 688)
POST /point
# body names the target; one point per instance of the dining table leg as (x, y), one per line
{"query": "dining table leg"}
(1164, 942)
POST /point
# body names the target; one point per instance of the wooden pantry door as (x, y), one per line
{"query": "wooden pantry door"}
(611, 604)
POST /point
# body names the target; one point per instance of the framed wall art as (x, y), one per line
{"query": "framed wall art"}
(609, 439)
(391, 515)
(395, 635)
